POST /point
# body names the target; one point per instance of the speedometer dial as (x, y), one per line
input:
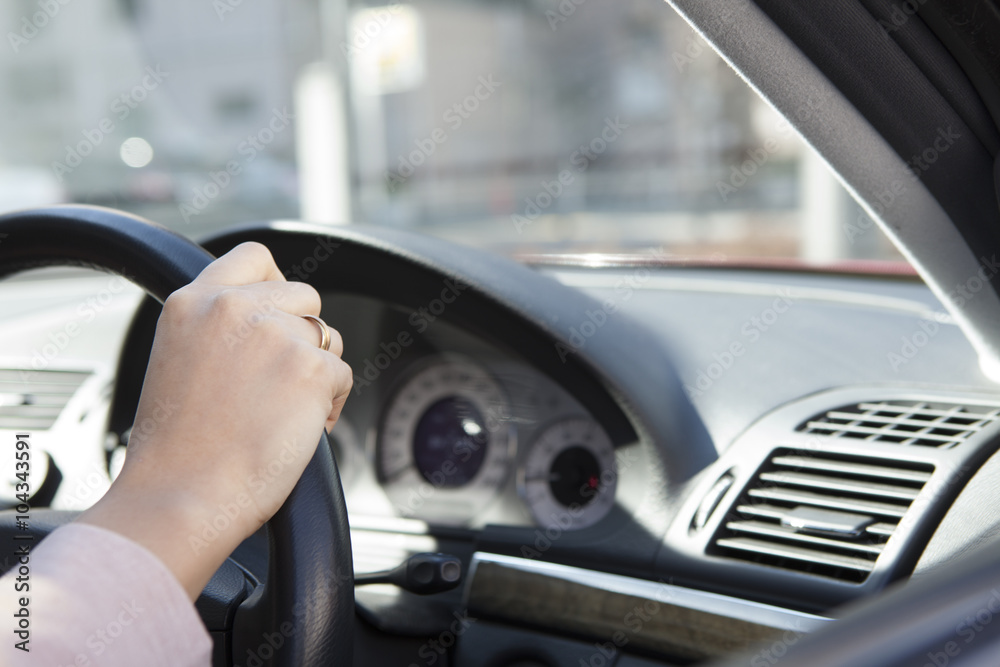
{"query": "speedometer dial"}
(445, 442)
(569, 478)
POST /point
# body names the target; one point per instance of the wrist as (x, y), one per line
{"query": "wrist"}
(176, 525)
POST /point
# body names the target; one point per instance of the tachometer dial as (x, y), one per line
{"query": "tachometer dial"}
(445, 442)
(568, 478)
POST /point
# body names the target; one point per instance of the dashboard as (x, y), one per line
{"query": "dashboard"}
(747, 449)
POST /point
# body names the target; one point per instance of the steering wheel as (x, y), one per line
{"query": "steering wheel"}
(310, 582)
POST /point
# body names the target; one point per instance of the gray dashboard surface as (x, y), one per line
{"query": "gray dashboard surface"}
(835, 330)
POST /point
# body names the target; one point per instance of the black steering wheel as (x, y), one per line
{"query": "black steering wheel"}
(308, 596)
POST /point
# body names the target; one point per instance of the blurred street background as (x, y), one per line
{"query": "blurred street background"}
(522, 126)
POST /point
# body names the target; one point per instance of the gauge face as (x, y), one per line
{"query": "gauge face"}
(568, 478)
(444, 444)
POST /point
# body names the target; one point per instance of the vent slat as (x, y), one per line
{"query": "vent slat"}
(779, 514)
(938, 423)
(34, 399)
(867, 430)
(797, 553)
(763, 510)
(22, 423)
(885, 529)
(38, 389)
(922, 423)
(22, 377)
(824, 514)
(839, 485)
(847, 468)
(771, 530)
(30, 412)
(991, 412)
(845, 504)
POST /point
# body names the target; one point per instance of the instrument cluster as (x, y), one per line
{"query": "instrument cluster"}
(460, 442)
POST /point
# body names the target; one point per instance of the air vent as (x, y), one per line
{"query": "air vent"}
(820, 513)
(941, 425)
(33, 400)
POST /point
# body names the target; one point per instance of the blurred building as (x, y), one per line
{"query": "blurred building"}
(529, 124)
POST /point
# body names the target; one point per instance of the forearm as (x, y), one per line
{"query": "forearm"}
(93, 597)
(168, 524)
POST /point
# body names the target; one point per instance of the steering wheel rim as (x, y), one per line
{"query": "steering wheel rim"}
(310, 583)
(945, 618)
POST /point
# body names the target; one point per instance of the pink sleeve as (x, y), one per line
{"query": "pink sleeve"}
(97, 598)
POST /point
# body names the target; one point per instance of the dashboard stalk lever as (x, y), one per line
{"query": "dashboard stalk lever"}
(421, 574)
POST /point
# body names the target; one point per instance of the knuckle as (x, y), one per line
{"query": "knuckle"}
(182, 302)
(231, 303)
(317, 372)
(344, 376)
(336, 342)
(269, 327)
(258, 250)
(309, 292)
(257, 253)
(347, 377)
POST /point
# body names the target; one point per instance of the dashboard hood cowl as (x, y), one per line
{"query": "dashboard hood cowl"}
(538, 317)
(902, 100)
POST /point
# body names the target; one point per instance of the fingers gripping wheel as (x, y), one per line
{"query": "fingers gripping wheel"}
(311, 580)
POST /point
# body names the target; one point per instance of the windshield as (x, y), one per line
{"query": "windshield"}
(529, 126)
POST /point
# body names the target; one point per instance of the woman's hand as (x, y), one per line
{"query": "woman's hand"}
(236, 395)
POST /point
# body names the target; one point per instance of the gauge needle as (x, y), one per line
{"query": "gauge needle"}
(391, 476)
(551, 477)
